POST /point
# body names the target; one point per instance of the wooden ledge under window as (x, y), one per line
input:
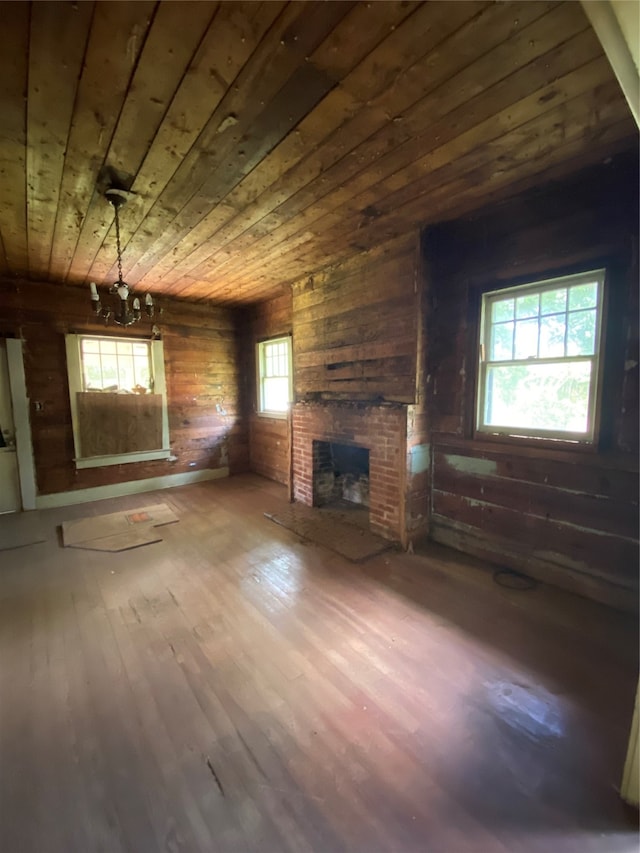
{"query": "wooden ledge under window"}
(559, 451)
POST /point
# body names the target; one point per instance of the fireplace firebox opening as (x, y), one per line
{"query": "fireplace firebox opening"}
(340, 475)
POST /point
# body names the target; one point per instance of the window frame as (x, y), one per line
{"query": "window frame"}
(542, 437)
(76, 383)
(260, 361)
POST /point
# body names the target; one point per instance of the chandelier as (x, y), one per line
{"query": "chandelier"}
(123, 311)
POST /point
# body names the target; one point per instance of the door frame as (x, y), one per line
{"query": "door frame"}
(22, 423)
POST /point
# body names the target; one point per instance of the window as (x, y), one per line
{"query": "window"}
(116, 364)
(274, 376)
(118, 400)
(539, 351)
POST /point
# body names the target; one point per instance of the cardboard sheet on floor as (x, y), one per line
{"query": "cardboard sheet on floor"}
(118, 531)
(331, 529)
(121, 541)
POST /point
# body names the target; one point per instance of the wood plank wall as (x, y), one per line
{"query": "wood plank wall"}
(563, 516)
(355, 328)
(269, 447)
(202, 366)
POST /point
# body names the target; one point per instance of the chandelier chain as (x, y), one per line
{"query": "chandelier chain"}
(115, 207)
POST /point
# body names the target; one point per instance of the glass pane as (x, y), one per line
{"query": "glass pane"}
(141, 367)
(141, 349)
(583, 296)
(109, 373)
(581, 334)
(90, 346)
(526, 345)
(92, 372)
(527, 306)
(553, 301)
(276, 394)
(126, 373)
(269, 371)
(552, 335)
(107, 347)
(275, 359)
(502, 310)
(124, 347)
(501, 342)
(539, 396)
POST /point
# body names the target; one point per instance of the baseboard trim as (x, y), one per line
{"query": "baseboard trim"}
(131, 487)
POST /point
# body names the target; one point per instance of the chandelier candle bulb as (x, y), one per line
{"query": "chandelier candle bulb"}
(148, 304)
(94, 291)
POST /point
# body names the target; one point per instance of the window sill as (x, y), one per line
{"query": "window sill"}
(566, 445)
(122, 458)
(278, 416)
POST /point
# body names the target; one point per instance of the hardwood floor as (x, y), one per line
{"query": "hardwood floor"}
(234, 689)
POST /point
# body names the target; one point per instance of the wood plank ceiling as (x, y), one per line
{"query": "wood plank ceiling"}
(265, 141)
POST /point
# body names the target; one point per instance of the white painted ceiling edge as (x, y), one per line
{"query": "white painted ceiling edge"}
(617, 25)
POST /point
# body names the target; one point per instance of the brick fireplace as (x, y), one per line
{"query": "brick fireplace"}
(380, 429)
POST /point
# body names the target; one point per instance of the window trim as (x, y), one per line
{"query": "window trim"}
(260, 410)
(538, 437)
(74, 372)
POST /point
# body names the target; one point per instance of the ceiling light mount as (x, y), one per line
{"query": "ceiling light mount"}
(125, 313)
